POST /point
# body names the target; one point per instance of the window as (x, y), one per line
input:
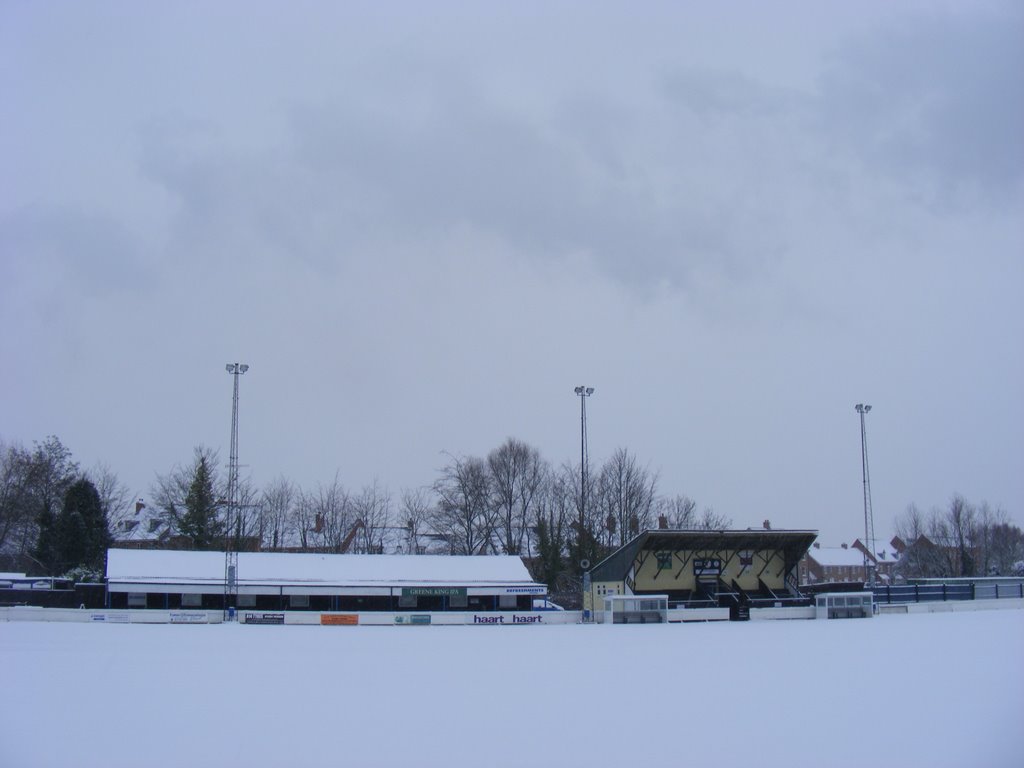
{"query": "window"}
(407, 601)
(247, 601)
(458, 601)
(664, 560)
(191, 601)
(298, 601)
(136, 599)
(506, 601)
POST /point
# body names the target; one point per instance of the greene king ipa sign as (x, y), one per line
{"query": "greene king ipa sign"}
(433, 591)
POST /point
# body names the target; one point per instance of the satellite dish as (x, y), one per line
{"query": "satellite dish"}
(584, 564)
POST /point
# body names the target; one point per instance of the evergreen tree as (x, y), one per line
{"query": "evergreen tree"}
(78, 536)
(200, 521)
(84, 528)
(45, 552)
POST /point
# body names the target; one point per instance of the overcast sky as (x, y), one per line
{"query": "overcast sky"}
(422, 225)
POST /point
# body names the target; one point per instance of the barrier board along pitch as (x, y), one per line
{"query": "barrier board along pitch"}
(339, 619)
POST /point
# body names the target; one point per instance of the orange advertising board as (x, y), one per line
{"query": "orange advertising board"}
(339, 619)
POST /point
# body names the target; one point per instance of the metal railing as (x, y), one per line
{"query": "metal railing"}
(951, 590)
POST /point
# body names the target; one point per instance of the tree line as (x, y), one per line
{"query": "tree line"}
(511, 501)
(962, 540)
(56, 518)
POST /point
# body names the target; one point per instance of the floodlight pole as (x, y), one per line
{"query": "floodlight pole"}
(230, 546)
(869, 518)
(583, 393)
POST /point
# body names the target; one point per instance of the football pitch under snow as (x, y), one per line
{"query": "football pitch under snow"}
(922, 690)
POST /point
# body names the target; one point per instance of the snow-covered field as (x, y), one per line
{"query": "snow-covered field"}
(922, 690)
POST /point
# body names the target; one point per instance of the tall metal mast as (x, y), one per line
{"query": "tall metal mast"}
(869, 516)
(584, 393)
(231, 542)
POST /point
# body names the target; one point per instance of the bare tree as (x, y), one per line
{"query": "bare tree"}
(626, 492)
(277, 518)
(17, 513)
(584, 540)
(1007, 549)
(306, 524)
(117, 501)
(463, 514)
(517, 477)
(32, 488)
(372, 510)
(961, 540)
(332, 520)
(713, 521)
(923, 557)
(244, 523)
(416, 510)
(962, 528)
(680, 512)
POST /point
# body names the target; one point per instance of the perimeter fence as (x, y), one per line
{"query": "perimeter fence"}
(933, 590)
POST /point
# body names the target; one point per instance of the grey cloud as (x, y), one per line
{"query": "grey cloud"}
(421, 164)
(707, 180)
(709, 92)
(91, 252)
(938, 100)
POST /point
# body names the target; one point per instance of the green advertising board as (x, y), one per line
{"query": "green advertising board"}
(433, 591)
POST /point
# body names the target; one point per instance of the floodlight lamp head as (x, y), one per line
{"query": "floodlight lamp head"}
(243, 368)
(590, 390)
(579, 390)
(867, 408)
(230, 368)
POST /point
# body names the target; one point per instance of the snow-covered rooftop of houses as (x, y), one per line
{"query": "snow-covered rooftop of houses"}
(145, 525)
(886, 554)
(836, 556)
(174, 566)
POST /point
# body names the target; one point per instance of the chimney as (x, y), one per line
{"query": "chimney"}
(845, 547)
(662, 522)
(817, 545)
(139, 506)
(767, 525)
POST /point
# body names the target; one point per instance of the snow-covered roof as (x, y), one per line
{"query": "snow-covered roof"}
(156, 566)
(887, 555)
(836, 556)
(145, 525)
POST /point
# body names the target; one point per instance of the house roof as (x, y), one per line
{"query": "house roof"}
(162, 566)
(145, 525)
(836, 557)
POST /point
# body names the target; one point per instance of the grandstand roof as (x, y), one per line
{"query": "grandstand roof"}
(162, 566)
(793, 545)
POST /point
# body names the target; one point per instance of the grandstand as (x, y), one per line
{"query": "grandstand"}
(172, 579)
(704, 569)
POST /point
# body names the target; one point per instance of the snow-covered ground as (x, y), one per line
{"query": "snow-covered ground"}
(923, 690)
